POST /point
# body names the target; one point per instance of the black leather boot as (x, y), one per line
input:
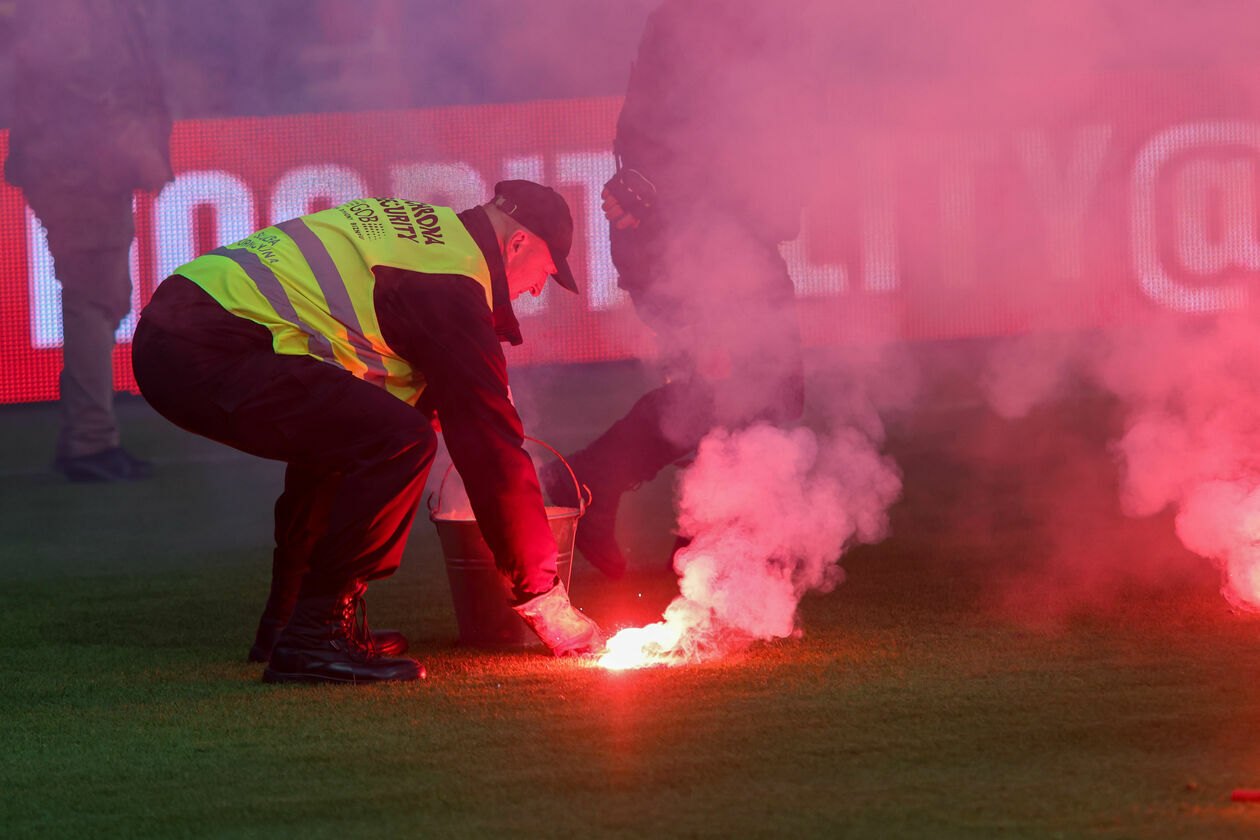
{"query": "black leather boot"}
(280, 606)
(386, 642)
(326, 641)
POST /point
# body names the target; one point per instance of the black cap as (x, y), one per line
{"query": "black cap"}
(543, 212)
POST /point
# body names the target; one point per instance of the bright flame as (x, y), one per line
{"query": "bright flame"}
(684, 635)
(641, 647)
(689, 631)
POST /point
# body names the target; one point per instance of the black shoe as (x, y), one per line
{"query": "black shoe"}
(327, 640)
(113, 464)
(386, 642)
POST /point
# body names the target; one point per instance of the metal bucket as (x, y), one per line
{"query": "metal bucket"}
(480, 592)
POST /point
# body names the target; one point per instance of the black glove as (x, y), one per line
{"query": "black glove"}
(633, 191)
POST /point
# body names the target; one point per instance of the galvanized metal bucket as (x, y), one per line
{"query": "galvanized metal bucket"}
(480, 592)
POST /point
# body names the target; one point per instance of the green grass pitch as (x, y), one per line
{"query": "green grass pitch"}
(990, 670)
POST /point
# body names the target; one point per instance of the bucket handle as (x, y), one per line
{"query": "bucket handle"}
(583, 500)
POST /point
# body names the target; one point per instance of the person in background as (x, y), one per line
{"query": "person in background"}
(90, 127)
(329, 342)
(712, 149)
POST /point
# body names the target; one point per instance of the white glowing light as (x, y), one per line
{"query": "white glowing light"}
(641, 647)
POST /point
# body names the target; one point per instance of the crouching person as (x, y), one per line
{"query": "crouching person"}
(327, 342)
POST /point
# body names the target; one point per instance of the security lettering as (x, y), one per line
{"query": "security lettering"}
(428, 222)
(412, 220)
(396, 214)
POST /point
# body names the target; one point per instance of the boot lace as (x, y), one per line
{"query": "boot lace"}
(355, 626)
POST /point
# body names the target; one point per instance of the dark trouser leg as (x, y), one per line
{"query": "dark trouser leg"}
(372, 450)
(305, 500)
(363, 450)
(373, 505)
(307, 497)
(710, 291)
(661, 427)
(89, 237)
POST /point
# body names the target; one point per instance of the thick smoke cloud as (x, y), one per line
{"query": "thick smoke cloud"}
(1192, 438)
(1191, 427)
(769, 513)
(1041, 96)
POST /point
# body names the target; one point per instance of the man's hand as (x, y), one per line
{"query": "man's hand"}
(628, 198)
(616, 214)
(561, 627)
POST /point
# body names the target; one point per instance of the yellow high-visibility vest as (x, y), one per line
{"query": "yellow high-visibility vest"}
(309, 280)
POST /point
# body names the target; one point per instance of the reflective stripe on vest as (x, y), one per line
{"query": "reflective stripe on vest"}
(338, 299)
(310, 282)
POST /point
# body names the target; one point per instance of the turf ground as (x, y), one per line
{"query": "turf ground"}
(1016, 660)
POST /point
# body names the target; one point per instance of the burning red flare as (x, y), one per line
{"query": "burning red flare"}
(685, 635)
(641, 647)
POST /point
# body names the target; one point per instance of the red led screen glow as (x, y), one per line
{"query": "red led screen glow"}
(980, 221)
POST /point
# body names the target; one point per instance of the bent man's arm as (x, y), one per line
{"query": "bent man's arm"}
(442, 326)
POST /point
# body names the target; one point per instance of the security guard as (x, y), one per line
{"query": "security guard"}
(328, 342)
(89, 127)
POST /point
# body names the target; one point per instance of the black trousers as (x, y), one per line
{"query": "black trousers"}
(357, 456)
(722, 305)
